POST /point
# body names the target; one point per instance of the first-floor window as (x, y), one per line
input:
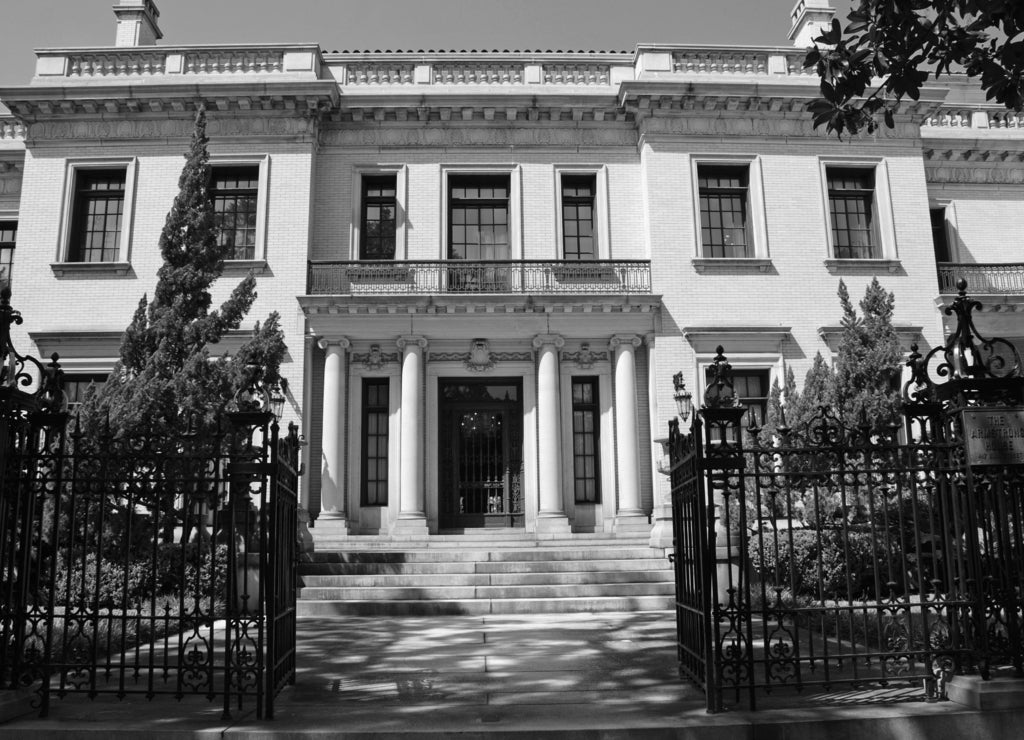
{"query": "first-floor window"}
(375, 442)
(8, 237)
(76, 387)
(585, 435)
(751, 388)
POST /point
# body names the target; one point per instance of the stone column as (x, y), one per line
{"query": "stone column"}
(551, 516)
(333, 509)
(630, 518)
(412, 516)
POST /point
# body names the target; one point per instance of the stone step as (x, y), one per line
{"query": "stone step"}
(348, 543)
(324, 568)
(475, 607)
(482, 556)
(452, 593)
(421, 580)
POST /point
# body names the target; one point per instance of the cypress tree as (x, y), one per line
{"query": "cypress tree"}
(165, 374)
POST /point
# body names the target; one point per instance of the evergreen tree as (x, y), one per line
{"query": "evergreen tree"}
(818, 391)
(165, 375)
(868, 365)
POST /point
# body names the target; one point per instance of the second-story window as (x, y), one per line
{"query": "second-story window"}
(97, 214)
(851, 197)
(478, 224)
(233, 191)
(8, 238)
(940, 239)
(724, 229)
(377, 228)
(578, 239)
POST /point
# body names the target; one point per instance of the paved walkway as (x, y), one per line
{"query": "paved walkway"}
(544, 675)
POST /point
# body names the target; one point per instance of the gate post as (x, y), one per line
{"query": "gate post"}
(722, 416)
(976, 386)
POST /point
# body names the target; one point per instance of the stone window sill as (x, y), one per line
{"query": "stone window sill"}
(241, 267)
(732, 264)
(836, 266)
(92, 269)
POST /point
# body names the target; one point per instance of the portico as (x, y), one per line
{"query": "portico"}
(487, 412)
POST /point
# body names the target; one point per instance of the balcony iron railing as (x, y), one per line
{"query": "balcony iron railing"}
(982, 278)
(494, 277)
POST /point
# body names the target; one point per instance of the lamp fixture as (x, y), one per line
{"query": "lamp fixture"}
(683, 397)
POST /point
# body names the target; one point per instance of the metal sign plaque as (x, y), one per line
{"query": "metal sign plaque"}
(994, 436)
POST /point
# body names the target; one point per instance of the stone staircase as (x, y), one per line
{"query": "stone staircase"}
(496, 572)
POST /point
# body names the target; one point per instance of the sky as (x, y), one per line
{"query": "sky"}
(611, 25)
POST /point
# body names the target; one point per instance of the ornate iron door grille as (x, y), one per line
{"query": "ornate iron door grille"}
(481, 459)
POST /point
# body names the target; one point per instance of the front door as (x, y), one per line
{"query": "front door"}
(481, 454)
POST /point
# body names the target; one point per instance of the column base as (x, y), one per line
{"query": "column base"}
(553, 524)
(414, 525)
(329, 530)
(631, 524)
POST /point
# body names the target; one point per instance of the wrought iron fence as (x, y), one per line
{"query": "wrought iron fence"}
(465, 277)
(144, 564)
(832, 557)
(1005, 278)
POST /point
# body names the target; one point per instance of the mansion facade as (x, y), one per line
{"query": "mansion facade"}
(490, 264)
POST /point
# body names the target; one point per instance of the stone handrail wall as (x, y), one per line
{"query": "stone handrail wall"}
(975, 118)
(249, 61)
(379, 74)
(470, 73)
(576, 74)
(116, 64)
(719, 62)
(11, 130)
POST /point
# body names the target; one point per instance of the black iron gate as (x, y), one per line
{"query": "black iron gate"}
(143, 565)
(830, 558)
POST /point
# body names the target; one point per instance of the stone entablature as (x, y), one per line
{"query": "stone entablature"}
(221, 63)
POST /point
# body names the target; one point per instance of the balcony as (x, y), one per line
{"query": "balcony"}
(982, 278)
(457, 277)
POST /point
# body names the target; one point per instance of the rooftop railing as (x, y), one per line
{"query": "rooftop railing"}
(486, 277)
(982, 278)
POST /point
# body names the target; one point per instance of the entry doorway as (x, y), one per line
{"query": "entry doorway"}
(480, 444)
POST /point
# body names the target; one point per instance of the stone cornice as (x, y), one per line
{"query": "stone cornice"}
(975, 162)
(38, 103)
(492, 306)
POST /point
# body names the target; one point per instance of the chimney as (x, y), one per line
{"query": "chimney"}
(809, 17)
(137, 23)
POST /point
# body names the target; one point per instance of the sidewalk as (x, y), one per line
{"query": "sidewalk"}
(607, 675)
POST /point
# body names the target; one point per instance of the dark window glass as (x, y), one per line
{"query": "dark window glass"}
(578, 242)
(851, 194)
(233, 191)
(8, 238)
(96, 219)
(75, 386)
(478, 217)
(375, 442)
(586, 418)
(377, 231)
(751, 388)
(723, 211)
(940, 239)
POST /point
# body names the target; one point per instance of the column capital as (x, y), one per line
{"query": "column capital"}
(325, 342)
(541, 339)
(625, 341)
(411, 340)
